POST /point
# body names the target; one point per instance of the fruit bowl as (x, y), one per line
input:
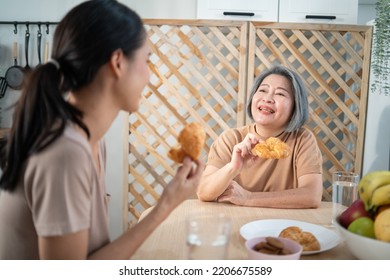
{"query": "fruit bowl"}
(364, 248)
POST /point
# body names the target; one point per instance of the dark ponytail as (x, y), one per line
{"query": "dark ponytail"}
(39, 118)
(83, 42)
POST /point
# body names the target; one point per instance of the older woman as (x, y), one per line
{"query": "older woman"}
(278, 106)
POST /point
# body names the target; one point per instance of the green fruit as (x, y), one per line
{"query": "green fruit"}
(363, 226)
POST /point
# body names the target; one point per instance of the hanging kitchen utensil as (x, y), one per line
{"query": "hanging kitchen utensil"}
(46, 57)
(15, 74)
(3, 86)
(27, 68)
(39, 40)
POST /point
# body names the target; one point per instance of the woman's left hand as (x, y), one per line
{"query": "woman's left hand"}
(234, 194)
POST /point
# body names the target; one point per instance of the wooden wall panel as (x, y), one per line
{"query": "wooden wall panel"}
(202, 70)
(197, 74)
(334, 61)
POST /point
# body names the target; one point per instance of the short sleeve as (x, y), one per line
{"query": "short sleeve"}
(58, 188)
(309, 159)
(222, 148)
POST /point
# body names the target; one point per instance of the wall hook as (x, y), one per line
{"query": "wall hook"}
(16, 27)
(47, 28)
(27, 28)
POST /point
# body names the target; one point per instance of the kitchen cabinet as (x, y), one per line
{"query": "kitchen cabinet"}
(319, 11)
(313, 11)
(260, 10)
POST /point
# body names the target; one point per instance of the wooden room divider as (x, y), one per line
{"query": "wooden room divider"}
(202, 71)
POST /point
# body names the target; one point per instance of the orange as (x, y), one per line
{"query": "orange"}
(382, 225)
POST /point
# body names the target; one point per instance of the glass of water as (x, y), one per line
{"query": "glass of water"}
(344, 190)
(208, 237)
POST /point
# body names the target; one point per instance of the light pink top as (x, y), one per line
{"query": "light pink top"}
(60, 192)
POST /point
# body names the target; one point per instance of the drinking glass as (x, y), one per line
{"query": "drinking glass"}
(344, 191)
(208, 237)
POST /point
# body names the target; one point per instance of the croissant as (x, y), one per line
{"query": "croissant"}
(272, 148)
(307, 240)
(191, 142)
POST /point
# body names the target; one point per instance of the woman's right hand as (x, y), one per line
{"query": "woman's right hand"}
(242, 153)
(184, 184)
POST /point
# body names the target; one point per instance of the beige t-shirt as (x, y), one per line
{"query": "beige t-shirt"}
(60, 192)
(270, 174)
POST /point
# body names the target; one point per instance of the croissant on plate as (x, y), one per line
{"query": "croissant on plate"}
(307, 240)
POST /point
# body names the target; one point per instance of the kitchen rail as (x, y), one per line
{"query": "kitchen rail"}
(27, 23)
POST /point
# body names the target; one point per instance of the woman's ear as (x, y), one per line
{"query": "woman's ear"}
(116, 62)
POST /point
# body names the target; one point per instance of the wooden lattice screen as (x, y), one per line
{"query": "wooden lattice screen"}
(334, 62)
(198, 73)
(202, 70)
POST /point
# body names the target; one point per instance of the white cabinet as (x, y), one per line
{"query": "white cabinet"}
(319, 11)
(248, 10)
(313, 11)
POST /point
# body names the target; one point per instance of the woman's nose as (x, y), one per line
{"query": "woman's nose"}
(268, 97)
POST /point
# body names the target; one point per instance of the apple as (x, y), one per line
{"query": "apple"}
(356, 210)
(363, 226)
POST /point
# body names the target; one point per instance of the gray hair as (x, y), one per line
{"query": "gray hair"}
(301, 105)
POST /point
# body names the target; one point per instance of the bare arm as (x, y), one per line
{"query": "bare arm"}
(74, 246)
(307, 195)
(215, 180)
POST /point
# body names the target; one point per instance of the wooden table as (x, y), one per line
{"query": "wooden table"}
(168, 240)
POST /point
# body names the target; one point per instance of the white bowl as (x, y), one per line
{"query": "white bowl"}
(364, 248)
(294, 247)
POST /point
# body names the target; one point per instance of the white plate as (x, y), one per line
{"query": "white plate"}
(327, 238)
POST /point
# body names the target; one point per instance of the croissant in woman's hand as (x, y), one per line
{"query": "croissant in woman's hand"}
(191, 139)
(272, 148)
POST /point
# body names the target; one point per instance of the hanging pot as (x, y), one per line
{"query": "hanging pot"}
(15, 74)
